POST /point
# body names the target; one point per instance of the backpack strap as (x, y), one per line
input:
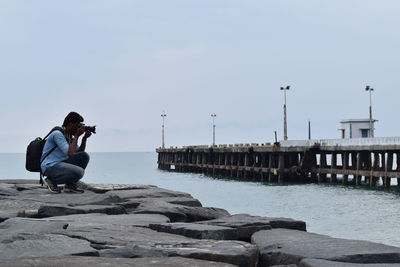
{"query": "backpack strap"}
(57, 128)
(48, 153)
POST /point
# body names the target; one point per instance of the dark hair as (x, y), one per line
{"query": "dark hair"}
(72, 117)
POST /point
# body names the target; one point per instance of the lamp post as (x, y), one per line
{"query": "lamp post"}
(213, 119)
(371, 130)
(163, 115)
(285, 137)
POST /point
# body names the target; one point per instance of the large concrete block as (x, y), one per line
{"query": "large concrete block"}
(282, 246)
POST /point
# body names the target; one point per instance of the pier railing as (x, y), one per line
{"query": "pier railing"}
(353, 161)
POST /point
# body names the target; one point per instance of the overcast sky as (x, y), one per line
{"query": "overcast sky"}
(121, 63)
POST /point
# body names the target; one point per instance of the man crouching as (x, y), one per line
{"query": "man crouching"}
(63, 161)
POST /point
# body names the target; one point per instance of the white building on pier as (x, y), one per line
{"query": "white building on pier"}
(357, 128)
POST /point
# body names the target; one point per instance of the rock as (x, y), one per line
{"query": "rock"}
(287, 223)
(8, 190)
(179, 213)
(147, 193)
(22, 187)
(244, 220)
(198, 231)
(5, 215)
(106, 236)
(85, 227)
(184, 201)
(19, 181)
(50, 211)
(39, 245)
(88, 198)
(30, 198)
(12, 206)
(325, 263)
(282, 246)
(289, 265)
(128, 241)
(122, 219)
(103, 188)
(11, 228)
(79, 261)
(245, 224)
(234, 252)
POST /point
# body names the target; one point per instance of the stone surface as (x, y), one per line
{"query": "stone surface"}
(146, 193)
(11, 228)
(325, 263)
(179, 213)
(8, 190)
(184, 201)
(122, 219)
(38, 245)
(12, 206)
(199, 231)
(287, 223)
(79, 261)
(4, 215)
(282, 246)
(22, 187)
(43, 196)
(245, 224)
(235, 252)
(103, 188)
(130, 242)
(20, 181)
(119, 235)
(50, 211)
(286, 265)
(246, 220)
(86, 229)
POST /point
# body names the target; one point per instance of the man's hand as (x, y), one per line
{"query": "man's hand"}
(87, 134)
(79, 131)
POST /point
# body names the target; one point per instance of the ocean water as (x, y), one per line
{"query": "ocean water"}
(335, 210)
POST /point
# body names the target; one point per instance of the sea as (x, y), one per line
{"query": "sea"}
(339, 211)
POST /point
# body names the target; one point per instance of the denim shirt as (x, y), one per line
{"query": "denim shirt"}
(55, 139)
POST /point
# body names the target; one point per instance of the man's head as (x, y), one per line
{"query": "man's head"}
(72, 122)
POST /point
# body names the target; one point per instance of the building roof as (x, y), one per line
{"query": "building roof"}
(357, 120)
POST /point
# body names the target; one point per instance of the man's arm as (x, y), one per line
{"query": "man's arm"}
(74, 144)
(83, 142)
(60, 141)
(72, 147)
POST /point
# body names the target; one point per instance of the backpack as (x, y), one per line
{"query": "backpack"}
(34, 153)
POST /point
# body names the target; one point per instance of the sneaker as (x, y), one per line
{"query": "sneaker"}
(72, 188)
(52, 187)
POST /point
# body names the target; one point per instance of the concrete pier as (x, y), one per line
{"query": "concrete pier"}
(371, 161)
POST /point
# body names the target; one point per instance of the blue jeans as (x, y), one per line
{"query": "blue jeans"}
(69, 171)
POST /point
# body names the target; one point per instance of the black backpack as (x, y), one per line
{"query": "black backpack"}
(34, 153)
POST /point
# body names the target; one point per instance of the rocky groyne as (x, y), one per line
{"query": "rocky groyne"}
(142, 225)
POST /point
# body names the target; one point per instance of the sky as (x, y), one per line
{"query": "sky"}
(121, 63)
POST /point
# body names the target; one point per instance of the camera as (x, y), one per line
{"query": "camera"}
(91, 129)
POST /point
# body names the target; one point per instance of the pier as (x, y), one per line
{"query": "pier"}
(363, 161)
